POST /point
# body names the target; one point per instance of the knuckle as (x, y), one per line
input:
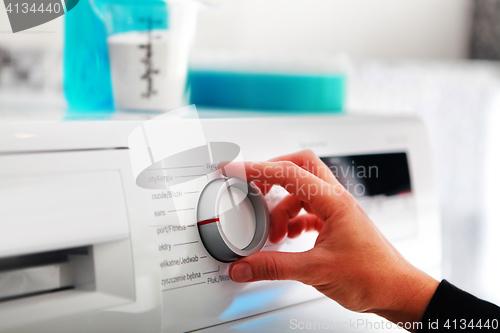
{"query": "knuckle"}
(347, 208)
(323, 265)
(287, 164)
(270, 269)
(308, 153)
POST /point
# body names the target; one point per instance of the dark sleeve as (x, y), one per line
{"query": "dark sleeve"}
(450, 303)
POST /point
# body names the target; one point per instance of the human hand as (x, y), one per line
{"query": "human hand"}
(352, 262)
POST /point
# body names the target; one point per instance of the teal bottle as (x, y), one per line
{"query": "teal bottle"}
(86, 70)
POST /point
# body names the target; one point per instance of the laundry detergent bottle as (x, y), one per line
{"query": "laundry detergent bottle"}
(86, 70)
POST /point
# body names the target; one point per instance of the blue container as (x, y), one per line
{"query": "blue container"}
(323, 93)
(86, 76)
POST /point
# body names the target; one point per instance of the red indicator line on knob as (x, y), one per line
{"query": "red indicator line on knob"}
(208, 221)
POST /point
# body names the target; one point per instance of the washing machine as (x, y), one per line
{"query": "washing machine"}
(111, 223)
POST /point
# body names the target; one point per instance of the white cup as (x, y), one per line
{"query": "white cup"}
(149, 66)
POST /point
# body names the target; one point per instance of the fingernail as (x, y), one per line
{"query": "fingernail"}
(241, 273)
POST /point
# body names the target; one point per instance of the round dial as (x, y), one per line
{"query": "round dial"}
(233, 219)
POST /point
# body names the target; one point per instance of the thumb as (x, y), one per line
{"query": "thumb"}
(274, 266)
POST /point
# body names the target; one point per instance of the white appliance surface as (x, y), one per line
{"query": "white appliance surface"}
(136, 261)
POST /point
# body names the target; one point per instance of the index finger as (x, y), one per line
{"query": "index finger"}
(324, 198)
(309, 161)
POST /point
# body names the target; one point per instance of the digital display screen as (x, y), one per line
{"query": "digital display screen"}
(372, 175)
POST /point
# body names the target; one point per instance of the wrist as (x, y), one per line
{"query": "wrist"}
(406, 297)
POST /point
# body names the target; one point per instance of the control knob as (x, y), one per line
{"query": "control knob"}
(233, 219)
